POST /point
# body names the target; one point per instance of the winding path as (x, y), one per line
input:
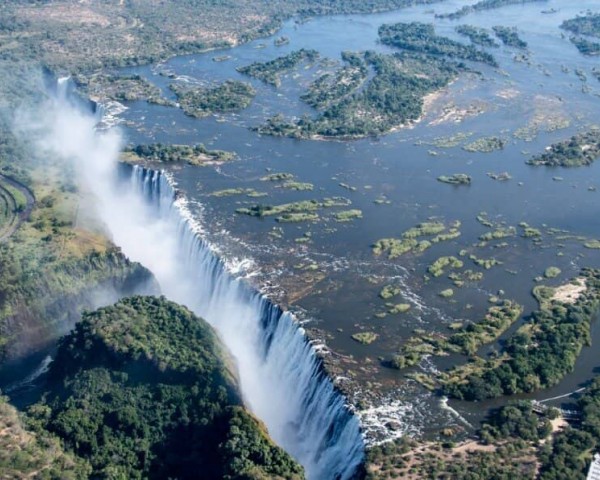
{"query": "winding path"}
(14, 217)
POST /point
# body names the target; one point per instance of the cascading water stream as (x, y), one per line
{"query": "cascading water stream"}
(281, 377)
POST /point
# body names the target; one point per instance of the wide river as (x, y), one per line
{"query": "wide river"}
(325, 271)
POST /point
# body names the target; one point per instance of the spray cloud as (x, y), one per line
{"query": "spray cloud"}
(280, 376)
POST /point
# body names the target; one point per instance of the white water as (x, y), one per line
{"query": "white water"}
(280, 376)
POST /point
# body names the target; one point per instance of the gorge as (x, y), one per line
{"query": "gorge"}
(281, 377)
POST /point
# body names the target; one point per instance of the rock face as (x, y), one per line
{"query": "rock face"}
(46, 302)
(143, 389)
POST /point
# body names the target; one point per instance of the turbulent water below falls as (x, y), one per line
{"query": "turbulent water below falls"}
(281, 377)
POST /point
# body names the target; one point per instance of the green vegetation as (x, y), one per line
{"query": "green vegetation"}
(446, 460)
(352, 107)
(485, 263)
(460, 278)
(50, 271)
(501, 177)
(270, 72)
(498, 233)
(230, 96)
(447, 141)
(485, 145)
(227, 192)
(299, 186)
(496, 321)
(466, 339)
(517, 421)
(69, 36)
(530, 232)
(477, 35)
(581, 149)
(126, 88)
(540, 353)
(592, 244)
(25, 453)
(438, 267)
(347, 215)
(447, 293)
(411, 240)
(391, 99)
(390, 291)
(280, 41)
(277, 177)
(142, 387)
(301, 211)
(586, 46)
(366, 338)
(329, 88)
(552, 272)
(399, 308)
(455, 179)
(268, 210)
(192, 154)
(297, 217)
(483, 5)
(482, 218)
(571, 452)
(514, 442)
(509, 37)
(421, 38)
(588, 24)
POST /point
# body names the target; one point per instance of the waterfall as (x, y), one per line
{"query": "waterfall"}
(281, 378)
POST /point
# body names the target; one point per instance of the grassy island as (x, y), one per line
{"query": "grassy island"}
(421, 38)
(352, 106)
(588, 24)
(301, 211)
(230, 96)
(541, 352)
(393, 98)
(482, 6)
(485, 145)
(192, 154)
(270, 72)
(509, 37)
(456, 179)
(332, 87)
(580, 150)
(466, 339)
(477, 35)
(417, 239)
(122, 88)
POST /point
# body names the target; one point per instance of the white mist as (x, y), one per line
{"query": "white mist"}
(280, 377)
